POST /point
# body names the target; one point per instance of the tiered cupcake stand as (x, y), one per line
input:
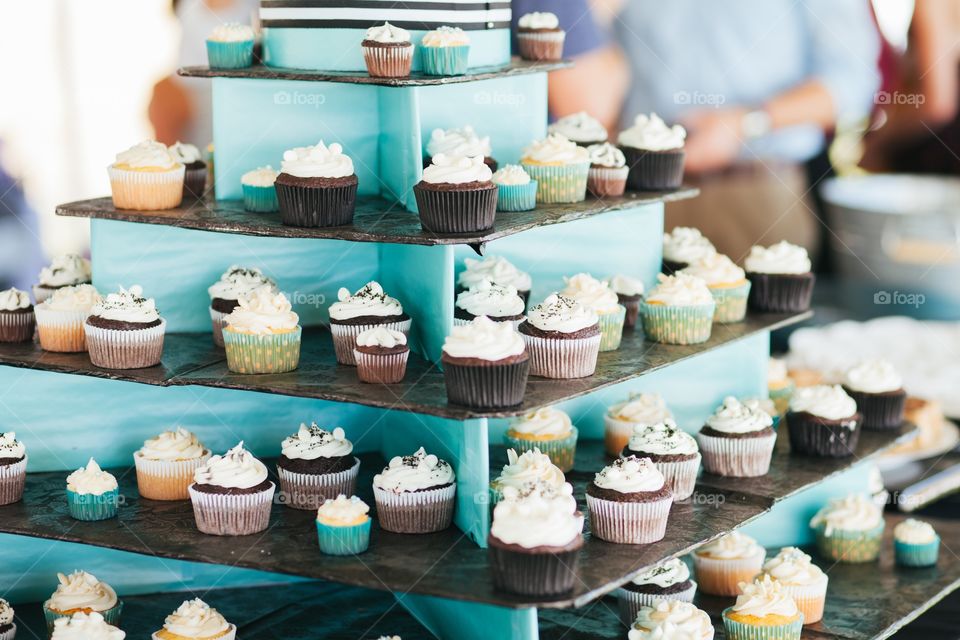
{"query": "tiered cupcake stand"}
(67, 409)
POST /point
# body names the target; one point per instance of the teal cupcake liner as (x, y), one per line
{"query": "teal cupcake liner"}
(611, 328)
(677, 325)
(343, 541)
(110, 616)
(559, 184)
(731, 302)
(517, 197)
(849, 546)
(916, 555)
(230, 55)
(735, 630)
(561, 452)
(272, 353)
(444, 61)
(260, 199)
(90, 508)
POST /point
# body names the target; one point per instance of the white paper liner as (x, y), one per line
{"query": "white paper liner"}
(345, 337)
(630, 602)
(460, 322)
(737, 457)
(308, 491)
(722, 576)
(382, 368)
(680, 476)
(10, 633)
(219, 514)
(166, 479)
(562, 358)
(146, 190)
(415, 512)
(125, 349)
(12, 479)
(628, 522)
(216, 318)
(810, 598)
(61, 331)
(229, 635)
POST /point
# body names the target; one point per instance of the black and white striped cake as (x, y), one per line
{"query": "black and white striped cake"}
(418, 15)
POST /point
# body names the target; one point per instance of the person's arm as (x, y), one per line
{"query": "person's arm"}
(170, 110)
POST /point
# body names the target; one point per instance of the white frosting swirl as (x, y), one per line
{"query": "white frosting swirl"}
(782, 257)
(65, 270)
(416, 472)
(579, 127)
(671, 620)
(127, 305)
(13, 299)
(511, 174)
(765, 597)
(236, 469)
(529, 468)
(716, 270)
(148, 154)
(83, 626)
(661, 439)
(680, 290)
(912, 531)
(650, 132)
(548, 518)
(606, 155)
(446, 169)
(262, 311)
(591, 293)
(231, 32)
(387, 33)
(874, 376)
(196, 619)
(485, 339)
(81, 590)
(237, 282)
(260, 177)
(493, 300)
(91, 480)
(178, 444)
(318, 161)
(777, 373)
(666, 574)
(826, 401)
(82, 297)
(537, 20)
(792, 567)
(6, 613)
(625, 285)
(343, 511)
(854, 512)
(555, 149)
(686, 245)
(381, 336)
(642, 409)
(10, 447)
(312, 442)
(184, 153)
(630, 475)
(563, 314)
(458, 143)
(368, 301)
(734, 545)
(497, 270)
(734, 416)
(446, 37)
(547, 422)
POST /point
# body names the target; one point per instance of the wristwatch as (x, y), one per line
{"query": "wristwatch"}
(755, 124)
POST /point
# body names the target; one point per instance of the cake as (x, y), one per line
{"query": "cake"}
(629, 502)
(463, 142)
(316, 465)
(61, 318)
(66, 270)
(230, 46)
(146, 177)
(823, 421)
(669, 580)
(629, 292)
(499, 271)
(13, 469)
(445, 51)
(387, 51)
(92, 493)
(195, 620)
(560, 168)
(456, 194)
(602, 300)
(608, 170)
(563, 338)
(262, 334)
(354, 313)
(235, 283)
(8, 628)
(381, 355)
(620, 420)
(915, 543)
(485, 364)
(548, 430)
(526, 470)
(780, 276)
(849, 529)
(166, 464)
(125, 331)
(17, 320)
(723, 564)
(343, 526)
(581, 128)
(673, 451)
(232, 494)
(654, 152)
(763, 610)
(260, 190)
(195, 169)
(415, 494)
(317, 186)
(515, 190)
(878, 391)
(802, 580)
(81, 593)
(500, 303)
(665, 619)
(682, 247)
(678, 310)
(737, 440)
(539, 36)
(727, 282)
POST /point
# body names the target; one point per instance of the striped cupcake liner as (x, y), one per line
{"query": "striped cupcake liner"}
(17, 327)
(456, 211)
(628, 522)
(561, 451)
(13, 477)
(381, 369)
(270, 353)
(731, 303)
(540, 46)
(654, 170)
(91, 508)
(260, 199)
(10, 633)
(781, 293)
(147, 190)
(736, 630)
(607, 181)
(415, 511)
(230, 55)
(810, 598)
(444, 61)
(125, 348)
(611, 328)
(219, 514)
(677, 325)
(388, 62)
(61, 331)
(629, 602)
(916, 555)
(218, 322)
(851, 547)
(460, 322)
(559, 184)
(533, 573)
(486, 387)
(166, 480)
(316, 207)
(812, 436)
(722, 576)
(194, 183)
(562, 358)
(879, 411)
(680, 476)
(517, 197)
(736, 457)
(307, 491)
(111, 616)
(344, 541)
(345, 337)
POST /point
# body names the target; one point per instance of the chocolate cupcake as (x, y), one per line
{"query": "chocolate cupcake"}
(629, 502)
(524, 471)
(195, 170)
(780, 277)
(8, 628)
(500, 303)
(387, 51)
(17, 320)
(456, 195)
(381, 355)
(878, 391)
(485, 365)
(317, 187)
(539, 37)
(366, 309)
(235, 283)
(459, 143)
(563, 338)
(629, 292)
(316, 465)
(13, 469)
(125, 331)
(608, 171)
(66, 270)
(620, 420)
(415, 494)
(673, 451)
(669, 580)
(737, 440)
(654, 152)
(682, 247)
(823, 421)
(232, 494)
(581, 128)
(499, 271)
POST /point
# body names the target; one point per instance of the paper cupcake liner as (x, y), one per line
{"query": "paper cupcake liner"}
(271, 353)
(17, 327)
(194, 183)
(61, 331)
(561, 451)
(486, 387)
(344, 541)
(316, 206)
(260, 199)
(611, 328)
(533, 574)
(736, 457)
(562, 358)
(10, 633)
(307, 491)
(616, 435)
(230, 55)
(345, 337)
(455, 211)
(677, 325)
(607, 181)
(879, 411)
(111, 616)
(722, 576)
(220, 514)
(735, 630)
(628, 522)
(444, 61)
(630, 602)
(13, 477)
(230, 634)
(91, 508)
(559, 184)
(731, 303)
(539, 46)
(916, 555)
(809, 436)
(381, 369)
(633, 311)
(517, 197)
(849, 546)
(781, 293)
(415, 512)
(146, 190)
(810, 599)
(680, 476)
(654, 170)
(460, 322)
(125, 349)
(218, 322)
(388, 62)
(166, 479)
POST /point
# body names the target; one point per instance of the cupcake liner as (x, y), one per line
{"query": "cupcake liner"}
(810, 599)
(879, 411)
(849, 546)
(146, 190)
(559, 184)
(13, 477)
(194, 183)
(677, 325)
(61, 331)
(810, 436)
(628, 522)
(10, 633)
(561, 451)
(230, 634)
(680, 476)
(517, 197)
(388, 62)
(736, 457)
(486, 387)
(633, 310)
(531, 573)
(90, 508)
(111, 616)
(781, 293)
(616, 434)
(307, 491)
(270, 353)
(460, 322)
(454, 211)
(539, 46)
(218, 322)
(629, 602)
(230, 55)
(344, 541)
(444, 61)
(722, 576)
(345, 337)
(781, 397)
(654, 170)
(17, 327)
(562, 357)
(731, 303)
(381, 369)
(916, 555)
(611, 328)
(260, 199)
(607, 181)
(735, 630)
(415, 511)
(166, 479)
(125, 348)
(316, 206)
(220, 514)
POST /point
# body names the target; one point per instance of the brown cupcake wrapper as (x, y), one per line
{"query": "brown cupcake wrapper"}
(670, 267)
(415, 512)
(195, 183)
(125, 349)
(381, 369)
(879, 411)
(629, 522)
(456, 211)
(345, 337)
(17, 327)
(166, 479)
(218, 322)
(654, 170)
(737, 457)
(629, 602)
(541, 45)
(809, 436)
(722, 576)
(633, 311)
(562, 358)
(61, 331)
(307, 491)
(316, 206)
(780, 293)
(533, 574)
(486, 387)
(607, 181)
(13, 477)
(219, 514)
(388, 62)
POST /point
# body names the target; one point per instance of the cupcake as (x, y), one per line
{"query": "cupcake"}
(13, 471)
(84, 626)
(498, 270)
(125, 331)
(673, 451)
(92, 494)
(262, 334)
(387, 51)
(61, 318)
(381, 355)
(781, 278)
(515, 190)
(560, 168)
(67, 270)
(849, 529)
(317, 187)
(726, 562)
(563, 338)
(17, 321)
(629, 502)
(166, 464)
(146, 177)
(459, 143)
(343, 526)
(445, 52)
(669, 580)
(682, 247)
(230, 46)
(737, 440)
(620, 420)
(666, 619)
(802, 580)
(535, 541)
(679, 310)
(235, 283)
(80, 593)
(823, 421)
(581, 128)
(779, 385)
(599, 297)
(549, 430)
(539, 37)
(654, 153)
(316, 465)
(195, 620)
(456, 195)
(877, 389)
(415, 494)
(525, 470)
(232, 495)
(608, 170)
(195, 169)
(8, 628)
(763, 610)
(727, 282)
(355, 313)
(915, 544)
(500, 303)
(485, 365)
(260, 190)
(629, 292)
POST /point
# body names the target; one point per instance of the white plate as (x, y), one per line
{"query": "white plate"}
(949, 438)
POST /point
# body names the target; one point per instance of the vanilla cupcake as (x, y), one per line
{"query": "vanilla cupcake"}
(629, 502)
(672, 450)
(92, 493)
(387, 51)
(679, 310)
(125, 331)
(499, 271)
(849, 529)
(639, 410)
(232, 494)
(516, 191)
(262, 335)
(485, 364)
(727, 282)
(726, 562)
(80, 593)
(563, 338)
(230, 46)
(456, 194)
(802, 580)
(146, 177)
(343, 526)
(13, 470)
(525, 470)
(608, 170)
(629, 292)
(669, 619)
(8, 628)
(445, 51)
(316, 465)
(669, 580)
(17, 321)
(66, 270)
(654, 152)
(61, 318)
(500, 303)
(560, 168)
(823, 421)
(682, 247)
(781, 277)
(548, 430)
(166, 464)
(235, 283)
(539, 37)
(763, 610)
(601, 299)
(415, 494)
(580, 127)
(877, 388)
(85, 626)
(260, 190)
(354, 313)
(737, 440)
(317, 186)
(463, 142)
(915, 544)
(195, 620)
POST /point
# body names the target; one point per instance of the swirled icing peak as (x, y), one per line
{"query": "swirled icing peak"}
(538, 20)
(387, 33)
(318, 161)
(854, 512)
(782, 257)
(792, 567)
(734, 545)
(370, 300)
(311, 443)
(680, 290)
(686, 245)
(484, 339)
(343, 511)
(591, 293)
(624, 285)
(414, 473)
(497, 270)
(650, 132)
(446, 37)
(178, 444)
(148, 154)
(91, 480)
(562, 313)
(607, 156)
(511, 174)
(446, 169)
(555, 149)
(826, 401)
(529, 468)
(662, 438)
(579, 127)
(196, 619)
(458, 143)
(236, 469)
(716, 270)
(65, 270)
(733, 416)
(237, 282)
(184, 153)
(127, 305)
(671, 620)
(642, 408)
(912, 531)
(493, 300)
(6, 613)
(666, 574)
(81, 590)
(764, 597)
(544, 422)
(81, 297)
(630, 475)
(262, 311)
(231, 32)
(13, 299)
(547, 518)
(85, 626)
(10, 447)
(260, 177)
(873, 376)
(381, 336)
